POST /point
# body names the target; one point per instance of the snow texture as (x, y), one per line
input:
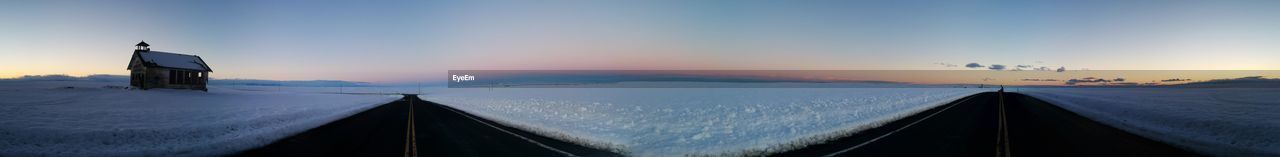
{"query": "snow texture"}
(335, 90)
(1211, 121)
(89, 118)
(696, 121)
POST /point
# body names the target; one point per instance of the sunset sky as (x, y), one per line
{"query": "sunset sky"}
(389, 41)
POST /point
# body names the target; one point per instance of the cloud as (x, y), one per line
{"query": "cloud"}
(1087, 80)
(1022, 67)
(946, 64)
(1094, 81)
(996, 67)
(1036, 79)
(1175, 80)
(1124, 84)
(1018, 67)
(973, 65)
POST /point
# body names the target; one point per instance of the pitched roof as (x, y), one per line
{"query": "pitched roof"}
(172, 60)
(143, 43)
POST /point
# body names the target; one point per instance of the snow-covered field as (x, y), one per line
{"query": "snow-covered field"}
(1213, 121)
(334, 90)
(90, 118)
(696, 121)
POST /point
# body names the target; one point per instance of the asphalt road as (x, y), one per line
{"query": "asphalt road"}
(977, 126)
(429, 130)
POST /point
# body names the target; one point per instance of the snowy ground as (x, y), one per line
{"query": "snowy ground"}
(334, 90)
(696, 121)
(88, 118)
(1213, 121)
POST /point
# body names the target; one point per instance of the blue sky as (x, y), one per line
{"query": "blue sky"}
(385, 41)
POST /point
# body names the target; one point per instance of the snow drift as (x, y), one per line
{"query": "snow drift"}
(1213, 121)
(93, 118)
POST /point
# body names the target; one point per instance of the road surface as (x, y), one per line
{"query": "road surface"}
(993, 124)
(429, 130)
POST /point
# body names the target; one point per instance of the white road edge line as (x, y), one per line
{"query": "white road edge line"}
(509, 132)
(899, 129)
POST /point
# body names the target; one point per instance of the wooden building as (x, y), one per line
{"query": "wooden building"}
(155, 69)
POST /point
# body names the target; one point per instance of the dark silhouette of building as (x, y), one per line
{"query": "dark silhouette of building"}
(155, 69)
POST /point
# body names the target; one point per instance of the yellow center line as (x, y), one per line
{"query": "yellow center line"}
(410, 141)
(408, 130)
(1002, 139)
(414, 127)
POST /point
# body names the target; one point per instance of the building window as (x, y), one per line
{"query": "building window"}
(186, 77)
(182, 77)
(173, 77)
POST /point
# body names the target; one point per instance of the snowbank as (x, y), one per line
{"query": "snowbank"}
(696, 121)
(335, 90)
(90, 118)
(1213, 121)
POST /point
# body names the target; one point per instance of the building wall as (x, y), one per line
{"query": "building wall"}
(135, 76)
(156, 77)
(136, 73)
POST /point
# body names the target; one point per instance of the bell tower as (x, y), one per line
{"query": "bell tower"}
(142, 46)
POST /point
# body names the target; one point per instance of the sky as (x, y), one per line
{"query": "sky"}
(396, 41)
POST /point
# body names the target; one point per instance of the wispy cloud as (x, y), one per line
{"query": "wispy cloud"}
(1098, 81)
(1024, 67)
(1036, 79)
(1018, 67)
(996, 67)
(1086, 80)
